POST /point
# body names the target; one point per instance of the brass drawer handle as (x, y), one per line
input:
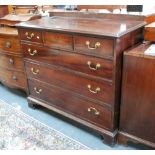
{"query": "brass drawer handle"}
(29, 36)
(34, 71)
(14, 78)
(38, 91)
(93, 68)
(32, 52)
(97, 45)
(8, 44)
(11, 62)
(93, 91)
(91, 109)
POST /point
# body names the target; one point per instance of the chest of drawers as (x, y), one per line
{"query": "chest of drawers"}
(11, 61)
(73, 67)
(11, 58)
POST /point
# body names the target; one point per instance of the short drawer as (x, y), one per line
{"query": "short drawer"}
(9, 44)
(13, 78)
(11, 62)
(58, 40)
(72, 104)
(102, 68)
(33, 51)
(94, 46)
(83, 85)
(30, 35)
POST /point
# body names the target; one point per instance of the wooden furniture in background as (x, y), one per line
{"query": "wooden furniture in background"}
(110, 8)
(73, 67)
(149, 32)
(24, 9)
(11, 57)
(149, 28)
(137, 122)
(3, 10)
(150, 18)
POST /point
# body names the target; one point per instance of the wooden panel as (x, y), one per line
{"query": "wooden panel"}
(149, 32)
(150, 18)
(30, 35)
(138, 102)
(88, 45)
(72, 82)
(9, 44)
(3, 10)
(58, 40)
(11, 62)
(62, 99)
(86, 64)
(13, 78)
(107, 7)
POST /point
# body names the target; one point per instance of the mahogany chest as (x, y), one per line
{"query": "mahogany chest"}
(73, 66)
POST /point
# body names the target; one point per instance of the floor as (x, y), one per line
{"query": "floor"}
(18, 99)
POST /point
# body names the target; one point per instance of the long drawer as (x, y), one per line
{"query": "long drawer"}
(9, 44)
(98, 90)
(11, 62)
(13, 78)
(87, 64)
(72, 104)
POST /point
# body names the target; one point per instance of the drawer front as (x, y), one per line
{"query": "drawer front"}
(30, 35)
(94, 46)
(11, 62)
(58, 40)
(86, 64)
(9, 43)
(72, 104)
(100, 91)
(13, 78)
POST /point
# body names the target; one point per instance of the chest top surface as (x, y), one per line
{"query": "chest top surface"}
(95, 26)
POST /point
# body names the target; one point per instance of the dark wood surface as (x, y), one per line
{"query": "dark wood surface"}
(93, 15)
(61, 72)
(104, 27)
(58, 40)
(138, 103)
(3, 10)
